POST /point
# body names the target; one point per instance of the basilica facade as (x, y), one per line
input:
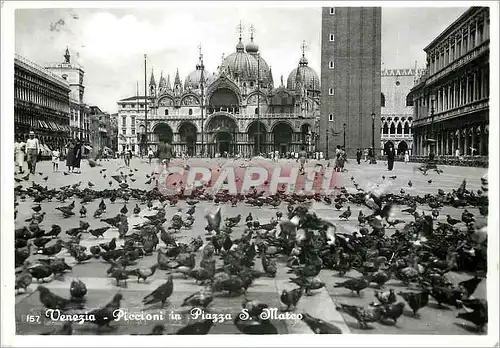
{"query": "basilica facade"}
(236, 110)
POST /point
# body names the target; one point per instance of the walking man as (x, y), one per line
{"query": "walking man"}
(358, 156)
(302, 157)
(164, 153)
(150, 155)
(32, 151)
(390, 157)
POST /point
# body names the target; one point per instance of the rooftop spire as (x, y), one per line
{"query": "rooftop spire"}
(177, 80)
(169, 87)
(240, 28)
(67, 56)
(152, 81)
(162, 82)
(200, 66)
(303, 47)
(303, 60)
(252, 30)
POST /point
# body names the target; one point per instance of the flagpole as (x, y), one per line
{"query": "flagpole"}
(146, 100)
(258, 104)
(202, 80)
(137, 107)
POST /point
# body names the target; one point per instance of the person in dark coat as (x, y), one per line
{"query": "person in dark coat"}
(358, 156)
(390, 157)
(70, 155)
(77, 157)
(370, 155)
(164, 152)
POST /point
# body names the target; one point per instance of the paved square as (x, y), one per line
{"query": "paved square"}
(321, 304)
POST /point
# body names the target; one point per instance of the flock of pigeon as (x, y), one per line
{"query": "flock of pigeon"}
(421, 252)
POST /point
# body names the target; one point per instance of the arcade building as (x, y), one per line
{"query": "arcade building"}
(236, 110)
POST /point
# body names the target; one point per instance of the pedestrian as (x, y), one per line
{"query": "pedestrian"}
(358, 156)
(55, 159)
(164, 153)
(407, 156)
(390, 157)
(366, 154)
(340, 160)
(337, 158)
(126, 156)
(70, 155)
(77, 157)
(302, 158)
(150, 155)
(20, 151)
(33, 150)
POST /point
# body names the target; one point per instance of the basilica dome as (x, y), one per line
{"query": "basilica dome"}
(194, 78)
(252, 47)
(241, 64)
(309, 76)
(262, 66)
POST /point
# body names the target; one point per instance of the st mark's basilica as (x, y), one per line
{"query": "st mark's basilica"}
(242, 110)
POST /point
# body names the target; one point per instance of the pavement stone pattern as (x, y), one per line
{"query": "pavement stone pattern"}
(321, 304)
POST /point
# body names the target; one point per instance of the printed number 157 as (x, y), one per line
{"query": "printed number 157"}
(31, 318)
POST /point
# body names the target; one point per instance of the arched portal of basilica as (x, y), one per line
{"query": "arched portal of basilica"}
(163, 133)
(221, 132)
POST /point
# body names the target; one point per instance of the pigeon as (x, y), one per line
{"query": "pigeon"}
(199, 299)
(137, 210)
(363, 315)
(144, 273)
(124, 210)
(53, 301)
(161, 294)
(345, 215)
(83, 211)
(354, 284)
(319, 326)
(77, 289)
(213, 221)
(291, 298)
(415, 300)
(103, 316)
(387, 297)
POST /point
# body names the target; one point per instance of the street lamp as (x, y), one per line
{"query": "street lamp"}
(373, 160)
(431, 141)
(344, 125)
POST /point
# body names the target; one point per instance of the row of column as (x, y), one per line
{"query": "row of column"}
(476, 33)
(447, 142)
(463, 90)
(245, 144)
(467, 88)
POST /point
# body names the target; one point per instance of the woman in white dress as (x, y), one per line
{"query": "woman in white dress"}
(19, 149)
(407, 156)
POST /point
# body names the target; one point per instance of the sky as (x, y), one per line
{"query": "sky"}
(110, 43)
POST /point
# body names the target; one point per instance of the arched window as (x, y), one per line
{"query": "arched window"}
(382, 100)
(393, 129)
(166, 112)
(385, 129)
(409, 100)
(251, 83)
(190, 112)
(406, 128)
(399, 129)
(256, 111)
